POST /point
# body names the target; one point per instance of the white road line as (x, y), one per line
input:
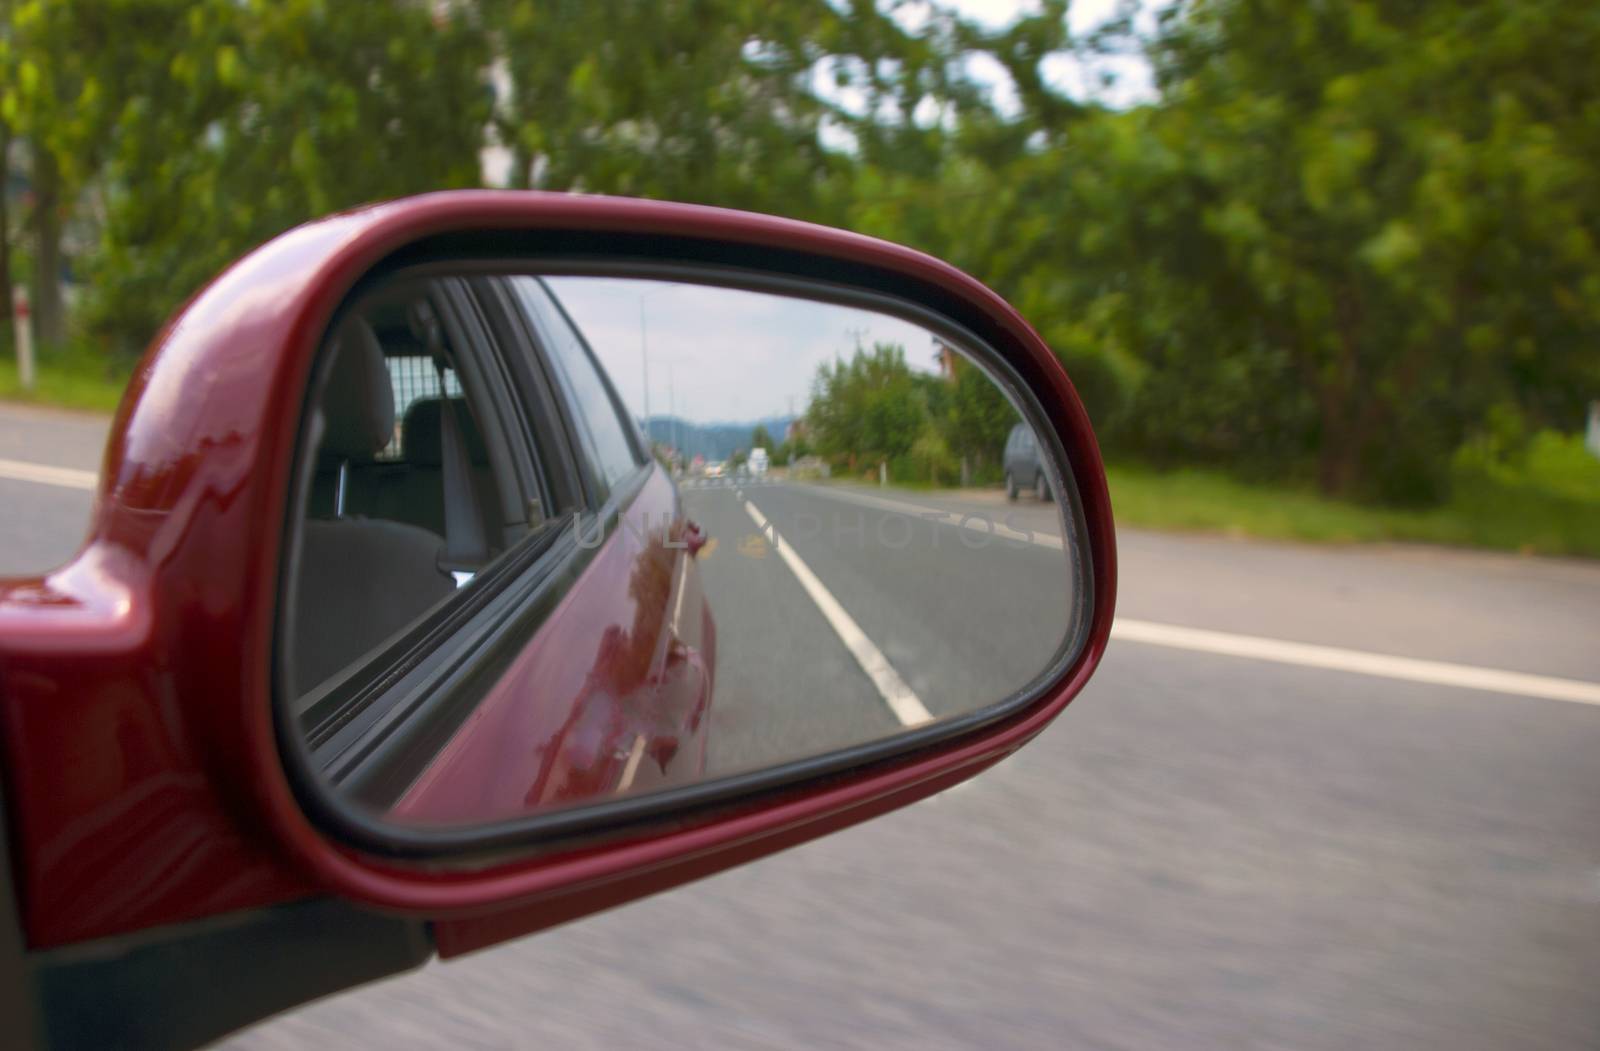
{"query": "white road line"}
(44, 474)
(1359, 662)
(725, 483)
(630, 771)
(683, 585)
(979, 522)
(1278, 651)
(901, 699)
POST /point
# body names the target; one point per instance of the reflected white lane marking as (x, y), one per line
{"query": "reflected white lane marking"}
(724, 483)
(628, 772)
(1359, 662)
(1312, 655)
(44, 474)
(900, 698)
(979, 522)
(682, 582)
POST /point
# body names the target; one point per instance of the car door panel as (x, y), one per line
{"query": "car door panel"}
(605, 680)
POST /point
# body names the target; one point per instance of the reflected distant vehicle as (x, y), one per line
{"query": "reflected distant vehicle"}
(714, 469)
(1024, 468)
(758, 461)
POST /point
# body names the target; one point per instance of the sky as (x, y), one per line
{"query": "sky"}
(1133, 80)
(718, 355)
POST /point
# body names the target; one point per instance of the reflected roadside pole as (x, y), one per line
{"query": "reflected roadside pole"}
(672, 410)
(644, 352)
(644, 361)
(672, 404)
(24, 337)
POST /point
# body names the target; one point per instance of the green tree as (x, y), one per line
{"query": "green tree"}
(5, 231)
(699, 100)
(1343, 240)
(929, 459)
(7, 71)
(760, 438)
(867, 409)
(1398, 210)
(979, 417)
(1343, 237)
(69, 66)
(275, 112)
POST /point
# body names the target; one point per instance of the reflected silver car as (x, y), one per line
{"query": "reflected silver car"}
(1024, 469)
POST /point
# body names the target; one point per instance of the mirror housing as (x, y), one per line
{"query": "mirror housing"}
(146, 773)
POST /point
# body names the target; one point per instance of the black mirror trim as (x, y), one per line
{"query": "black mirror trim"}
(726, 265)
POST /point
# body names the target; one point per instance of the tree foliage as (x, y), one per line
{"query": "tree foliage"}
(977, 418)
(865, 410)
(1400, 203)
(271, 112)
(699, 100)
(873, 409)
(1342, 240)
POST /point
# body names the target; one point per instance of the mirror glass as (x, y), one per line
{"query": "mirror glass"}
(561, 541)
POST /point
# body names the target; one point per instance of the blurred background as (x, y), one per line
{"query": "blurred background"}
(1323, 272)
(1341, 254)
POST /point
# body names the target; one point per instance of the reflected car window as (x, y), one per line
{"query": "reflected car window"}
(610, 452)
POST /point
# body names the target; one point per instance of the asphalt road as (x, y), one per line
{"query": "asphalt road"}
(965, 618)
(41, 525)
(1205, 851)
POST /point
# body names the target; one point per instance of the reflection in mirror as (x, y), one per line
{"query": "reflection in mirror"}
(567, 540)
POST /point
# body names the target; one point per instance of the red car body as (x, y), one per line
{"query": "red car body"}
(562, 727)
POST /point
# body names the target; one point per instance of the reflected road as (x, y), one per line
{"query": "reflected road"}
(962, 617)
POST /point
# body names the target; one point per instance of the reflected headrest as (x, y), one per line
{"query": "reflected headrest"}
(420, 439)
(358, 402)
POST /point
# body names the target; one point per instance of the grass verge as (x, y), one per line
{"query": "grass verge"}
(1548, 504)
(67, 381)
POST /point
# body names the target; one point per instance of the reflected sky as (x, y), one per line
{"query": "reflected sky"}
(722, 355)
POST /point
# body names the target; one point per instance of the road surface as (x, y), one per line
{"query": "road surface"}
(965, 618)
(1206, 851)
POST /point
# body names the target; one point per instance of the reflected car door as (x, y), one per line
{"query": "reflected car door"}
(659, 665)
(612, 693)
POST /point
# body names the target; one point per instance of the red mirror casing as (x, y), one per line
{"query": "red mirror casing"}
(144, 779)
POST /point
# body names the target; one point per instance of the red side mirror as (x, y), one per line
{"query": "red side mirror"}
(163, 772)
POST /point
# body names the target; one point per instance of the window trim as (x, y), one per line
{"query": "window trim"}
(481, 393)
(630, 428)
(530, 375)
(537, 322)
(510, 451)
